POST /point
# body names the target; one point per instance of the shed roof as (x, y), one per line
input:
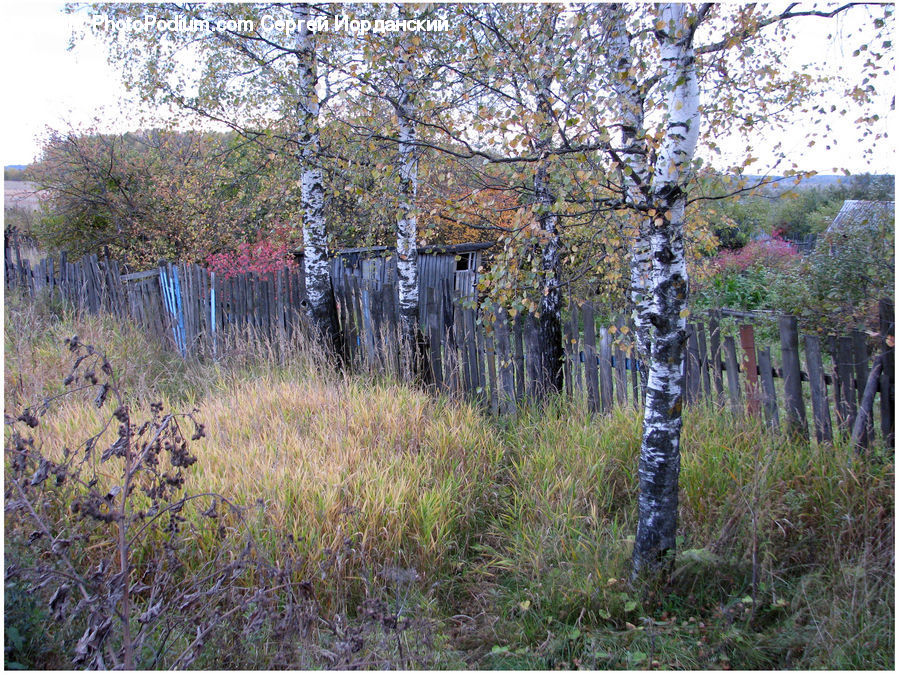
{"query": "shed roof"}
(856, 213)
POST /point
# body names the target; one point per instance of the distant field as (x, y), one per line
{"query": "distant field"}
(20, 194)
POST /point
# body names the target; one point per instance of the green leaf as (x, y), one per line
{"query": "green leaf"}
(15, 637)
(636, 657)
(631, 605)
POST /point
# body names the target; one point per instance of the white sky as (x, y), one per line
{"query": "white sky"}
(45, 85)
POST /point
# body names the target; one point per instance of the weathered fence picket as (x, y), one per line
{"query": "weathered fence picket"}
(484, 355)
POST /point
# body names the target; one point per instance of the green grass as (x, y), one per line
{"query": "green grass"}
(519, 529)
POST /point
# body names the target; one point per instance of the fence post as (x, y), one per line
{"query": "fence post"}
(692, 366)
(769, 397)
(748, 345)
(590, 358)
(821, 413)
(504, 356)
(716, 355)
(731, 367)
(619, 356)
(793, 386)
(861, 366)
(605, 364)
(844, 364)
(886, 383)
(704, 360)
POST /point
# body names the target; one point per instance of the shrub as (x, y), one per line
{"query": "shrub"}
(271, 253)
(262, 257)
(838, 286)
(743, 279)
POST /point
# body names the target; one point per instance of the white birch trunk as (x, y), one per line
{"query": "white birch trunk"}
(546, 371)
(316, 266)
(547, 375)
(407, 266)
(634, 154)
(546, 338)
(660, 459)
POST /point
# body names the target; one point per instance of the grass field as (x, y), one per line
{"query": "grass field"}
(424, 534)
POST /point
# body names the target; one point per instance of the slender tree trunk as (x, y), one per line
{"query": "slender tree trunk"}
(549, 371)
(407, 265)
(634, 155)
(546, 366)
(321, 307)
(660, 460)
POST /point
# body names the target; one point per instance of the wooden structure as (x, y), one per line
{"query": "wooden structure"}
(479, 352)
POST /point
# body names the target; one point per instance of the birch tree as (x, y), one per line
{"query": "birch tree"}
(667, 288)
(407, 261)
(248, 77)
(317, 267)
(656, 168)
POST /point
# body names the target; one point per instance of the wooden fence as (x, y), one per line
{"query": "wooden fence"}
(483, 354)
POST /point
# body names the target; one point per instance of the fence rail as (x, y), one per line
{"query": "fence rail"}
(483, 354)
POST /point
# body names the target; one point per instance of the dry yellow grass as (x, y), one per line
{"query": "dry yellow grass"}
(332, 458)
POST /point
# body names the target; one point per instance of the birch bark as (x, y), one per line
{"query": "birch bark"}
(316, 268)
(635, 157)
(660, 459)
(407, 267)
(546, 370)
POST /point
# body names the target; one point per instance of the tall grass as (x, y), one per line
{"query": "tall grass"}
(519, 529)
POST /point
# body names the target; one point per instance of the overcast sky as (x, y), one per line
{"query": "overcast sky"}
(45, 85)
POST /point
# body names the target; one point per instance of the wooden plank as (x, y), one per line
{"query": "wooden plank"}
(619, 355)
(504, 356)
(692, 366)
(519, 347)
(451, 350)
(731, 368)
(140, 275)
(185, 283)
(886, 381)
(357, 301)
(861, 372)
(864, 416)
(847, 406)
(365, 306)
(705, 386)
(831, 344)
(716, 356)
(767, 388)
(476, 366)
(491, 357)
(533, 361)
(636, 398)
(577, 368)
(590, 358)
(818, 391)
(605, 366)
(460, 330)
(271, 287)
(567, 351)
(433, 331)
(795, 409)
(751, 383)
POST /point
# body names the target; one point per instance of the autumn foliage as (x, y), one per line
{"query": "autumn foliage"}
(263, 257)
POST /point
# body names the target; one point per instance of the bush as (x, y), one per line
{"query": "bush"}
(744, 279)
(838, 286)
(263, 257)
